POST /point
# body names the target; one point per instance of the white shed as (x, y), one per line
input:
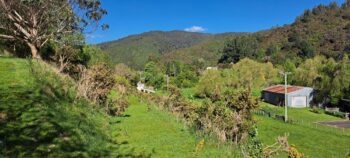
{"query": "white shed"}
(298, 96)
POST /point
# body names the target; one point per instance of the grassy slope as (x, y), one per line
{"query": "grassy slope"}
(152, 130)
(312, 139)
(12, 72)
(41, 112)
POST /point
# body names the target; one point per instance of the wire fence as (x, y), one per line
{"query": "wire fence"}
(305, 123)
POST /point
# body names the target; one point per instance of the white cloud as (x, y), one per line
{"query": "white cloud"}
(93, 36)
(195, 29)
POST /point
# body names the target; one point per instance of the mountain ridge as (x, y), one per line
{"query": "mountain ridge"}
(135, 50)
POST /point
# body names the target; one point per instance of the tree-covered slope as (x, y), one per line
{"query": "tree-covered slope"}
(323, 30)
(135, 50)
(206, 53)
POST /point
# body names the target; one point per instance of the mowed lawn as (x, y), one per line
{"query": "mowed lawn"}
(313, 139)
(159, 133)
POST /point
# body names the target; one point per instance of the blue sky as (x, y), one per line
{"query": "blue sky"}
(127, 17)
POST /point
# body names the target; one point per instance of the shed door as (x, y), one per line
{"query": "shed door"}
(299, 101)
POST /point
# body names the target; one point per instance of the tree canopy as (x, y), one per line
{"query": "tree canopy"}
(35, 22)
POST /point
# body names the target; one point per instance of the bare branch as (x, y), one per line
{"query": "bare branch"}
(19, 17)
(7, 37)
(3, 5)
(25, 32)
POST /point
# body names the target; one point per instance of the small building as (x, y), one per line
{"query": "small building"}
(143, 88)
(298, 96)
(212, 68)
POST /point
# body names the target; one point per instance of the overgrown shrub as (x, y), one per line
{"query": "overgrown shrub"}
(254, 145)
(229, 118)
(117, 103)
(96, 83)
(123, 71)
(210, 85)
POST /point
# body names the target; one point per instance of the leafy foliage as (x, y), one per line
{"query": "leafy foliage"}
(153, 75)
(182, 75)
(35, 22)
(239, 48)
(95, 55)
(210, 84)
(245, 74)
(326, 75)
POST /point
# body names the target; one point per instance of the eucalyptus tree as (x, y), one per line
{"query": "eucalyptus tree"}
(35, 22)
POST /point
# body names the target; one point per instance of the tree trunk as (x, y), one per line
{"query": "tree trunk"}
(34, 51)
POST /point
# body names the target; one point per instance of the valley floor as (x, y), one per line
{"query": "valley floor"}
(147, 129)
(153, 131)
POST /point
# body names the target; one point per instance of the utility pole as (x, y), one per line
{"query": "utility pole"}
(167, 82)
(285, 95)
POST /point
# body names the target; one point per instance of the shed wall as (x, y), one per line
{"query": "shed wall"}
(308, 92)
(273, 98)
(278, 98)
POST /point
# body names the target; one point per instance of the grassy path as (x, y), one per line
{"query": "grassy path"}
(159, 133)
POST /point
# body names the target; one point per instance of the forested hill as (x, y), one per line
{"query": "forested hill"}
(323, 30)
(135, 50)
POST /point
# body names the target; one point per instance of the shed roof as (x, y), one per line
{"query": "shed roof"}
(280, 89)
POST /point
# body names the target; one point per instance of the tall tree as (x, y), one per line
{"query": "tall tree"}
(35, 22)
(239, 48)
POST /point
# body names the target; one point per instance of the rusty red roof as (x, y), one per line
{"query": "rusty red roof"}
(280, 89)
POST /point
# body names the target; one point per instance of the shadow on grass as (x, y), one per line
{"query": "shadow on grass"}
(126, 115)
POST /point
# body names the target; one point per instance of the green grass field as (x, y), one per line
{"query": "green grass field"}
(147, 129)
(313, 139)
(14, 72)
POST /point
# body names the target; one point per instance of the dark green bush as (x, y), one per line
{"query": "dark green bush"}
(254, 145)
(336, 114)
